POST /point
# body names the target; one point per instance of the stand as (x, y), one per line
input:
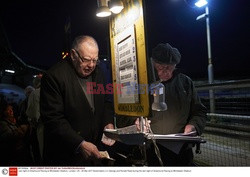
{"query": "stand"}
(173, 142)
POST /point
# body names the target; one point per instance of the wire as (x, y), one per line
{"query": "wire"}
(156, 149)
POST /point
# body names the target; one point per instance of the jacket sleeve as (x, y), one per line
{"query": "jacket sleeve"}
(198, 111)
(56, 126)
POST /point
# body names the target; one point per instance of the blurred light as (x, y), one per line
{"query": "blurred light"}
(116, 6)
(9, 71)
(64, 55)
(102, 10)
(202, 16)
(40, 75)
(201, 3)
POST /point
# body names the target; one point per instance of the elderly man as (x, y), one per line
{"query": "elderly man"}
(73, 119)
(185, 111)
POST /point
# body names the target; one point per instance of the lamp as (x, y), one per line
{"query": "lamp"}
(116, 6)
(102, 10)
(201, 3)
(158, 91)
(105, 7)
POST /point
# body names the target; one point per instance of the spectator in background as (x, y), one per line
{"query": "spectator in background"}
(33, 108)
(23, 118)
(33, 113)
(14, 150)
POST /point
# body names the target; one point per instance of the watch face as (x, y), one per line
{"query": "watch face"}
(4, 171)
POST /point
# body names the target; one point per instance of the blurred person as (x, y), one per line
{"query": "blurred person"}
(23, 118)
(33, 107)
(73, 119)
(33, 113)
(14, 149)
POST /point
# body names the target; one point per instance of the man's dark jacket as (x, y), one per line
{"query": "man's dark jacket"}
(184, 107)
(67, 116)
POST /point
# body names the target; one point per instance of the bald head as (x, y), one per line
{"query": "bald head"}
(84, 39)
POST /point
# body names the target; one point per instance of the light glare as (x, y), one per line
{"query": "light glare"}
(201, 3)
(116, 9)
(103, 14)
(10, 71)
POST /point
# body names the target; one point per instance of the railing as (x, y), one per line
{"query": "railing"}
(227, 132)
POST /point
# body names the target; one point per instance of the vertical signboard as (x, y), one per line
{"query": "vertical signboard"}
(129, 63)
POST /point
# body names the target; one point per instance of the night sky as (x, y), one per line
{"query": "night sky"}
(35, 30)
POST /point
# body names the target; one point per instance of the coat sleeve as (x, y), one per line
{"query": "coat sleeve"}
(198, 111)
(56, 126)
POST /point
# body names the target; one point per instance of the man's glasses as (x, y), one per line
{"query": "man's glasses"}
(164, 67)
(87, 61)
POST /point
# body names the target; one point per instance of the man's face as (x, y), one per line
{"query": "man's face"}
(9, 112)
(85, 59)
(164, 71)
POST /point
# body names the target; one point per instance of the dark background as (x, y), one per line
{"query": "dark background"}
(35, 30)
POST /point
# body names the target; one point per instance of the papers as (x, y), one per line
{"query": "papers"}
(177, 136)
(174, 142)
(193, 133)
(125, 130)
(105, 155)
(107, 141)
(127, 135)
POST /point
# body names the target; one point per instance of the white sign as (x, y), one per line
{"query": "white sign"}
(126, 66)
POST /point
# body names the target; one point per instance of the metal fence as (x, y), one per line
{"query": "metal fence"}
(227, 132)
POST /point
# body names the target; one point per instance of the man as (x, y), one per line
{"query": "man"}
(33, 113)
(33, 107)
(74, 120)
(185, 112)
(23, 118)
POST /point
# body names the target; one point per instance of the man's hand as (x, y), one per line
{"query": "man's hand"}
(146, 124)
(89, 150)
(189, 128)
(109, 126)
(106, 140)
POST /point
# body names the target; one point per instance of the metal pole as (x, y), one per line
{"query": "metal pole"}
(141, 124)
(144, 146)
(210, 64)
